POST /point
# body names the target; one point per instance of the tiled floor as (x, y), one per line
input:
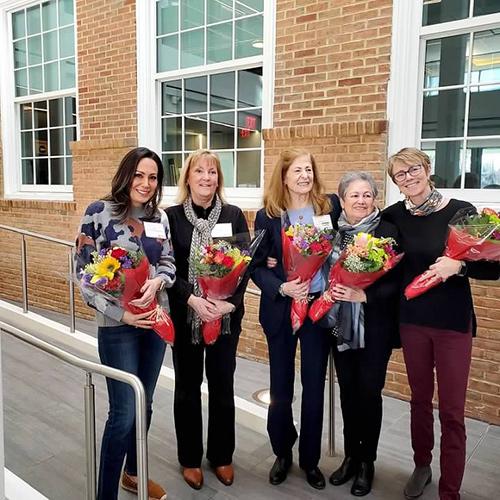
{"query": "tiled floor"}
(43, 405)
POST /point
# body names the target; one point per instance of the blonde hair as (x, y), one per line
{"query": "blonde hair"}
(409, 156)
(277, 196)
(183, 190)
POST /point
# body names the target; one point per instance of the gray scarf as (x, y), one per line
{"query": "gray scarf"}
(428, 206)
(202, 236)
(349, 326)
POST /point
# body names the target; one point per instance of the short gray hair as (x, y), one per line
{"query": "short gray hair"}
(350, 177)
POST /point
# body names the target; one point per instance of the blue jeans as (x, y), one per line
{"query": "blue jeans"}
(138, 351)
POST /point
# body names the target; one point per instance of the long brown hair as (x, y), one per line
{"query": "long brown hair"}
(122, 182)
(277, 196)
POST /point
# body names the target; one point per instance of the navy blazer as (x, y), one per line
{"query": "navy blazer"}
(275, 309)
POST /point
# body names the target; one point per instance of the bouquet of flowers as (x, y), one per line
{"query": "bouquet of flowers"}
(118, 275)
(360, 264)
(471, 237)
(305, 250)
(219, 269)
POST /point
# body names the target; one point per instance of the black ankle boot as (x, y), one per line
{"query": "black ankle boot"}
(347, 469)
(279, 470)
(364, 478)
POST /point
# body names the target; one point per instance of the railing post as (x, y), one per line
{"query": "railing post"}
(331, 406)
(24, 272)
(142, 445)
(72, 318)
(90, 446)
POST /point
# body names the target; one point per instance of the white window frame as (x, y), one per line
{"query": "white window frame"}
(405, 92)
(9, 111)
(149, 89)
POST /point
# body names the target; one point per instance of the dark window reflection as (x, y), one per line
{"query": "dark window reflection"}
(446, 159)
(195, 94)
(27, 171)
(482, 7)
(26, 116)
(41, 144)
(248, 174)
(444, 10)
(222, 91)
(40, 114)
(26, 144)
(484, 117)
(249, 126)
(57, 171)
(443, 113)
(195, 135)
(171, 134)
(69, 170)
(70, 136)
(57, 142)
(222, 130)
(70, 110)
(250, 88)
(42, 171)
(172, 97)
(56, 113)
(172, 164)
(484, 164)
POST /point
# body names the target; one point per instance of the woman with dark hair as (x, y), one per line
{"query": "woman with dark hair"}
(128, 217)
(200, 214)
(295, 192)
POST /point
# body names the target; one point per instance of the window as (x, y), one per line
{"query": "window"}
(457, 93)
(40, 99)
(209, 61)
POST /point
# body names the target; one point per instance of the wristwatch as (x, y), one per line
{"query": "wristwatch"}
(281, 290)
(463, 269)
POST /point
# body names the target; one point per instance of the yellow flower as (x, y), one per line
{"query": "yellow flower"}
(106, 268)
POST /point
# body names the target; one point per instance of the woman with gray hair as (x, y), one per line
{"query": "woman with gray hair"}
(365, 328)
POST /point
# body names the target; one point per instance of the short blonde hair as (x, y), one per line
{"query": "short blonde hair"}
(183, 191)
(277, 197)
(409, 156)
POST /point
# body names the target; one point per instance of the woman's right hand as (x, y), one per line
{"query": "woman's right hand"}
(296, 289)
(205, 309)
(138, 320)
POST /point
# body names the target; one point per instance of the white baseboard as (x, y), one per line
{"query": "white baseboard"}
(17, 489)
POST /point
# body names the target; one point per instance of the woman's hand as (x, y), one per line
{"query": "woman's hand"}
(205, 309)
(348, 294)
(296, 290)
(444, 267)
(148, 291)
(138, 320)
(271, 262)
(223, 306)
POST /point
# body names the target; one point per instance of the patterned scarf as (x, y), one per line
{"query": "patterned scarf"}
(202, 235)
(428, 206)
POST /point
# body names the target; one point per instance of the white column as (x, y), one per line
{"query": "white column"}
(2, 458)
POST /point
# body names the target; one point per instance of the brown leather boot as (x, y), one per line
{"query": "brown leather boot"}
(193, 476)
(155, 491)
(225, 474)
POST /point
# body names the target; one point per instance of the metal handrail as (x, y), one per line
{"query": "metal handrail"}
(24, 268)
(140, 408)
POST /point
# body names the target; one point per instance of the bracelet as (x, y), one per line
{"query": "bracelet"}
(463, 269)
(281, 290)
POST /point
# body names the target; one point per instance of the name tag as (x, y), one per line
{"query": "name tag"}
(223, 230)
(155, 230)
(322, 222)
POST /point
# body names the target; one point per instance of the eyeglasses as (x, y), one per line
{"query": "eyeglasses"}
(413, 171)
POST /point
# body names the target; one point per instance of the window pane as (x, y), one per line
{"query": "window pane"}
(443, 113)
(34, 50)
(485, 163)
(192, 13)
(20, 54)
(69, 170)
(482, 7)
(444, 10)
(21, 77)
(66, 42)
(446, 61)
(67, 68)
(195, 94)
(167, 49)
(171, 134)
(220, 42)
(66, 15)
(172, 164)
(56, 113)
(41, 144)
(26, 144)
(192, 48)
(249, 126)
(166, 17)
(27, 172)
(484, 118)
(40, 113)
(195, 133)
(26, 116)
(18, 24)
(57, 171)
(36, 79)
(250, 88)
(70, 137)
(446, 158)
(172, 97)
(49, 15)
(222, 91)
(42, 171)
(50, 46)
(227, 166)
(70, 111)
(51, 76)
(248, 37)
(33, 19)
(486, 57)
(222, 130)
(248, 174)
(247, 7)
(57, 142)
(222, 10)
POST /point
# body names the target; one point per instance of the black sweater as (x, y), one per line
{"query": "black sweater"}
(449, 305)
(181, 231)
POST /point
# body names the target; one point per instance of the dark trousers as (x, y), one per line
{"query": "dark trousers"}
(220, 363)
(137, 351)
(314, 350)
(361, 377)
(450, 353)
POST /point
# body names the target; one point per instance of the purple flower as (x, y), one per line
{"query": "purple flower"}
(86, 277)
(101, 282)
(126, 263)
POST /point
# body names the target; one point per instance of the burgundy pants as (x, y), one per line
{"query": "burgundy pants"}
(450, 353)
